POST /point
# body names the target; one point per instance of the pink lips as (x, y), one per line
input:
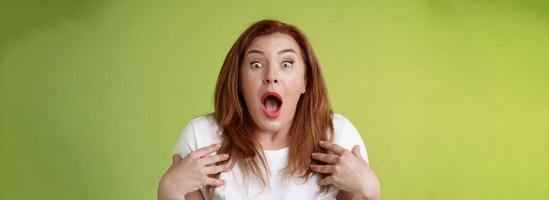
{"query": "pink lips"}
(271, 114)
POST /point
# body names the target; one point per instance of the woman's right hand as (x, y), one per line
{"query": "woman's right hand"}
(190, 173)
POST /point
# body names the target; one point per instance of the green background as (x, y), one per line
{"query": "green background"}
(451, 97)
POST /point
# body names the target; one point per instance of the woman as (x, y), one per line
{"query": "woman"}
(272, 134)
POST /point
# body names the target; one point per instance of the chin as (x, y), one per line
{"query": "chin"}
(271, 126)
(266, 124)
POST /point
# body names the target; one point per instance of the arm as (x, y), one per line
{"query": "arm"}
(190, 168)
(348, 172)
(185, 176)
(343, 195)
(196, 195)
(348, 138)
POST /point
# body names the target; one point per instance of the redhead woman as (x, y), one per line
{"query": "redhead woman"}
(273, 134)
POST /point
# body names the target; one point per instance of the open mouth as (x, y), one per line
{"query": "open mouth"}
(272, 102)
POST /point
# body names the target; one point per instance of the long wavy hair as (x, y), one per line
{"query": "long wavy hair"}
(312, 121)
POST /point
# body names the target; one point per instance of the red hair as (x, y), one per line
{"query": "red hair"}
(312, 120)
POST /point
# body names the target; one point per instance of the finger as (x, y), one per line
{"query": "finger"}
(206, 150)
(214, 182)
(327, 158)
(325, 169)
(332, 147)
(214, 159)
(217, 168)
(356, 151)
(326, 181)
(176, 158)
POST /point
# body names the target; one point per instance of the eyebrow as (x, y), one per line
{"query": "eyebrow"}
(280, 52)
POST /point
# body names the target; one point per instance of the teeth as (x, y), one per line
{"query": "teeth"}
(271, 104)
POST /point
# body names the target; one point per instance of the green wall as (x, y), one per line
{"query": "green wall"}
(451, 97)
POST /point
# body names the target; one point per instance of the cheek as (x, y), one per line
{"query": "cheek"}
(295, 82)
(249, 84)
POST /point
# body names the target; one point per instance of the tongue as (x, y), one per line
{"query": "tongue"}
(271, 104)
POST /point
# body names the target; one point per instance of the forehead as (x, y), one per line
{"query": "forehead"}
(274, 43)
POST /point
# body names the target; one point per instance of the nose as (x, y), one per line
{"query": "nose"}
(270, 77)
(270, 80)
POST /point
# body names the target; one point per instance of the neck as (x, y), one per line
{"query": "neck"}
(274, 140)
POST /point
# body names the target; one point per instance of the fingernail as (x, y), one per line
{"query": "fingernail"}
(314, 154)
(217, 145)
(322, 142)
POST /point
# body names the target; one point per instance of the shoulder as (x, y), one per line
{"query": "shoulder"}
(339, 121)
(204, 123)
(343, 128)
(346, 135)
(199, 132)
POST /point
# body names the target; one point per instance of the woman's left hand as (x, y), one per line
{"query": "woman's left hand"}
(348, 171)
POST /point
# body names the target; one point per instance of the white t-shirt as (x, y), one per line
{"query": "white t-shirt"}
(203, 131)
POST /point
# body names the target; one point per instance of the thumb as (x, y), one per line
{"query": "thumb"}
(176, 158)
(356, 151)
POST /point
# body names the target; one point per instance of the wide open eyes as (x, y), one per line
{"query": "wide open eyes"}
(287, 64)
(256, 65)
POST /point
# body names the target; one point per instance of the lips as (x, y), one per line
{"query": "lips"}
(272, 102)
